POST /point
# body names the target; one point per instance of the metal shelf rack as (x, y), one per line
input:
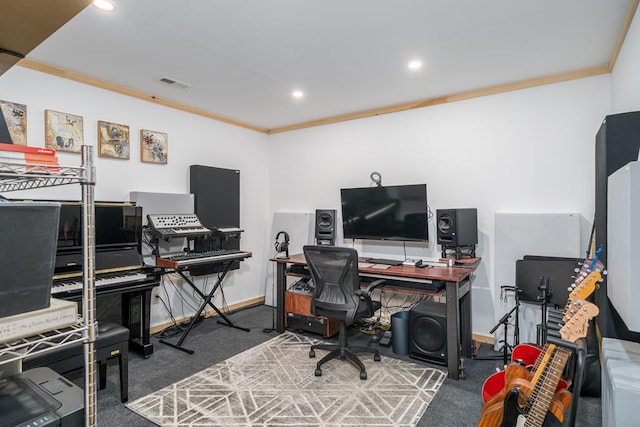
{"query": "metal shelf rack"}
(15, 177)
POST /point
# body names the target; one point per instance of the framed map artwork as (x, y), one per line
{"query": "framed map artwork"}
(153, 146)
(113, 140)
(63, 131)
(13, 123)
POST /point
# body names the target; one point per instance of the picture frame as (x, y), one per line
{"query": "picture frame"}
(153, 147)
(113, 140)
(63, 131)
(13, 123)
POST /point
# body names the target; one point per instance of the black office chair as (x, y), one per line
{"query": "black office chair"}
(337, 295)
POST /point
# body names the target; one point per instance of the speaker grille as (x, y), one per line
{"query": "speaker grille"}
(428, 332)
(325, 225)
(428, 335)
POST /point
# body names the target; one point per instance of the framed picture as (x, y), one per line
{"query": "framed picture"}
(13, 123)
(153, 146)
(113, 140)
(63, 131)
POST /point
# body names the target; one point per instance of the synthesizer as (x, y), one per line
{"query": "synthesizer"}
(200, 258)
(166, 226)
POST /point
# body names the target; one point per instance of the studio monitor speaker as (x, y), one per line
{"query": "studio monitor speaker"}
(325, 225)
(457, 227)
(428, 332)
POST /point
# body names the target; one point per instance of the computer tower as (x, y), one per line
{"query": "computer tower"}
(428, 332)
(457, 227)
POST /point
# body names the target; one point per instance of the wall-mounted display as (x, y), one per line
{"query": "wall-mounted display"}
(153, 146)
(63, 131)
(13, 123)
(113, 140)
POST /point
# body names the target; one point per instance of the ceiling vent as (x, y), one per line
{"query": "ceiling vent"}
(173, 83)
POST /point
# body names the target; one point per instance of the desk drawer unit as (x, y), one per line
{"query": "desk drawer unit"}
(298, 316)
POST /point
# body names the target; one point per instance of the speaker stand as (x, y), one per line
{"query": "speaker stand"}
(466, 251)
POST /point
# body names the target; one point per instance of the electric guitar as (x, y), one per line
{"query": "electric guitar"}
(494, 387)
(530, 405)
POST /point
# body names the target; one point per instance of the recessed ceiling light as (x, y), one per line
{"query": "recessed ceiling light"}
(104, 5)
(415, 64)
(297, 94)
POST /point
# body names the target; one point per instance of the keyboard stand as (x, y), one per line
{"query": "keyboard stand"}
(206, 301)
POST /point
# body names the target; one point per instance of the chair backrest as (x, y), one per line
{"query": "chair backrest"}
(334, 271)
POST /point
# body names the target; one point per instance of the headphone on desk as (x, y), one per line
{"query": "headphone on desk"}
(282, 246)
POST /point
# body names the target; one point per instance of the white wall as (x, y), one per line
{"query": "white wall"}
(528, 151)
(192, 140)
(625, 84)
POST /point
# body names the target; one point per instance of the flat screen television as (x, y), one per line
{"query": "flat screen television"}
(385, 213)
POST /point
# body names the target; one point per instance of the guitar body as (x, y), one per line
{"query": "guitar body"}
(514, 417)
(496, 383)
(514, 371)
(526, 353)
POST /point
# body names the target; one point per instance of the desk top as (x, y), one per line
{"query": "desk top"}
(448, 274)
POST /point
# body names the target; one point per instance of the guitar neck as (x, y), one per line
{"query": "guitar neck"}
(545, 386)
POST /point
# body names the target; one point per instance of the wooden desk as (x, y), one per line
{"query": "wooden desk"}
(458, 298)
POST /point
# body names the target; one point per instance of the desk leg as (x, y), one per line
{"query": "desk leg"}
(453, 331)
(281, 278)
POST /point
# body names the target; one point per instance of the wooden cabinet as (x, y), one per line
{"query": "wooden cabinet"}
(297, 307)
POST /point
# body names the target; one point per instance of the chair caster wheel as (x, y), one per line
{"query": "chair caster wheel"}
(312, 354)
(318, 372)
(363, 375)
(376, 357)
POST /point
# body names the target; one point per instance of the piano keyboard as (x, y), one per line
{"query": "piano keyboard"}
(74, 284)
(199, 258)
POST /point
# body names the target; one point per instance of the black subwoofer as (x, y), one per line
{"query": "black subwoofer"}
(457, 227)
(428, 332)
(325, 226)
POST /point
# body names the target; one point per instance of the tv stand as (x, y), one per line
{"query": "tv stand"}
(384, 261)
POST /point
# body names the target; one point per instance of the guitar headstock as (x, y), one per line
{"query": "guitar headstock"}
(586, 287)
(577, 324)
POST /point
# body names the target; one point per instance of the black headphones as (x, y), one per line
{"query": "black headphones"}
(282, 246)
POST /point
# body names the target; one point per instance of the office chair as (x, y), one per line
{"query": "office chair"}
(337, 295)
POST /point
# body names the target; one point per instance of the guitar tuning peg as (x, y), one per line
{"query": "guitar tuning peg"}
(605, 272)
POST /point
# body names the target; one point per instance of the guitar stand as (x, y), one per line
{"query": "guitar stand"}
(579, 348)
(546, 293)
(206, 301)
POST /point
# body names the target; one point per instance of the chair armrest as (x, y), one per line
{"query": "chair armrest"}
(365, 294)
(373, 285)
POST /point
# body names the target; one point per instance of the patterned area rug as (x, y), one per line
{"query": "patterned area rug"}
(273, 384)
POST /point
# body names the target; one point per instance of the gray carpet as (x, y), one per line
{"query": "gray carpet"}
(273, 384)
(457, 403)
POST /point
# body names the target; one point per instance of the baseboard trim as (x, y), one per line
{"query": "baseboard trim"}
(211, 313)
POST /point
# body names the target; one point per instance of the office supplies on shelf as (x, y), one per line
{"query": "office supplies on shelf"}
(59, 314)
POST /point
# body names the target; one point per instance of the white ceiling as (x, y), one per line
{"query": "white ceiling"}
(245, 57)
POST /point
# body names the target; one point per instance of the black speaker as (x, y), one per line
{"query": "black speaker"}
(325, 226)
(457, 227)
(428, 332)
